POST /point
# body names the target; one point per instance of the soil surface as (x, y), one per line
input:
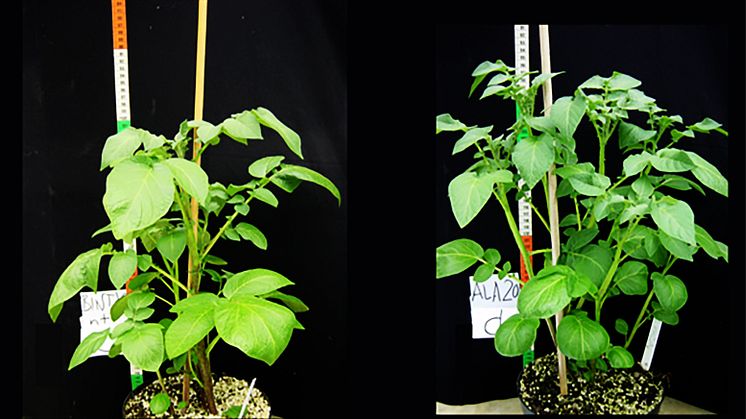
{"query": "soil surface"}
(228, 392)
(632, 391)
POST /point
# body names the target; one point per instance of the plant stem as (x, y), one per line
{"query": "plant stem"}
(212, 344)
(612, 270)
(174, 280)
(577, 211)
(502, 199)
(163, 299)
(640, 318)
(538, 214)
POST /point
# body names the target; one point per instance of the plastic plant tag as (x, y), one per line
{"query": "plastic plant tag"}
(492, 302)
(95, 308)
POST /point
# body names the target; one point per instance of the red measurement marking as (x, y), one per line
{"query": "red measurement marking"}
(128, 281)
(119, 24)
(528, 242)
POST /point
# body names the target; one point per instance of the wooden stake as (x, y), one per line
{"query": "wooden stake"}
(546, 67)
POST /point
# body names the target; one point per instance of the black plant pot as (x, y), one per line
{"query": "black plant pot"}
(591, 398)
(258, 398)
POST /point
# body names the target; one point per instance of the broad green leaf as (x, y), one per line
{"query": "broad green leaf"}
(137, 195)
(468, 193)
(487, 67)
(121, 267)
(206, 132)
(214, 260)
(498, 79)
(515, 335)
(632, 278)
(566, 113)
(595, 82)
(492, 256)
(492, 90)
(160, 403)
(708, 174)
(120, 146)
(83, 271)
(665, 315)
(308, 175)
(593, 261)
(143, 346)
(139, 314)
(680, 183)
(266, 196)
(477, 81)
(636, 163)
(88, 347)
(150, 141)
(619, 81)
(249, 232)
(470, 137)
(248, 119)
(194, 322)
(144, 262)
(706, 242)
(141, 299)
(642, 187)
(293, 303)
(620, 358)
(579, 285)
(578, 239)
(605, 203)
(286, 183)
(672, 160)
(533, 157)
(546, 293)
(231, 234)
(631, 135)
(621, 326)
(445, 122)
(117, 309)
(257, 327)
(189, 176)
(675, 218)
(291, 138)
(542, 123)
(539, 80)
(581, 338)
(172, 244)
(634, 211)
(677, 247)
(706, 125)
(483, 273)
(261, 167)
(676, 134)
(242, 209)
(254, 282)
(235, 130)
(456, 256)
(670, 291)
(122, 329)
(590, 184)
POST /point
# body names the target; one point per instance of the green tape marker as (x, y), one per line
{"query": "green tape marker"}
(122, 125)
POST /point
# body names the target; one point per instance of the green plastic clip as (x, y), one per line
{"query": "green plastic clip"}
(121, 125)
(136, 381)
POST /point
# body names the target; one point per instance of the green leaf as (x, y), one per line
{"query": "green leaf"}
(160, 403)
(566, 113)
(676, 134)
(456, 256)
(578, 239)
(498, 79)
(257, 327)
(120, 146)
(140, 299)
(189, 176)
(266, 196)
(677, 247)
(254, 282)
(666, 316)
(546, 293)
(492, 90)
(579, 285)
(231, 234)
(636, 163)
(90, 345)
(487, 67)
(143, 346)
(121, 267)
(590, 184)
(214, 260)
(261, 167)
(533, 157)
(593, 261)
(172, 244)
(706, 125)
(122, 329)
(680, 183)
(631, 135)
(492, 256)
(620, 358)
(515, 335)
(675, 218)
(708, 174)
(706, 242)
(144, 262)
(468, 193)
(541, 123)
(206, 131)
(293, 303)
(83, 271)
(194, 322)
(291, 138)
(483, 273)
(139, 314)
(619, 81)
(286, 183)
(621, 326)
(581, 338)
(595, 82)
(471, 137)
(540, 79)
(249, 121)
(632, 278)
(445, 122)
(670, 291)
(642, 187)
(242, 209)
(137, 195)
(308, 175)
(117, 309)
(249, 232)
(672, 160)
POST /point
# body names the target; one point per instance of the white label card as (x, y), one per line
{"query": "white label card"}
(492, 302)
(95, 308)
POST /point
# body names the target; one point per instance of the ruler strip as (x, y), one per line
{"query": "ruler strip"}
(123, 117)
(524, 209)
(647, 356)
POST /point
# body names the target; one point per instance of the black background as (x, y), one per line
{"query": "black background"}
(353, 81)
(690, 70)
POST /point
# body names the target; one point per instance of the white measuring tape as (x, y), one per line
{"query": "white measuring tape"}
(122, 101)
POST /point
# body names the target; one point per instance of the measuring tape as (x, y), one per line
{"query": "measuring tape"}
(524, 209)
(122, 100)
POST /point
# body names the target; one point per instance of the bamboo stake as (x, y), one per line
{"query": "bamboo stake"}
(546, 67)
